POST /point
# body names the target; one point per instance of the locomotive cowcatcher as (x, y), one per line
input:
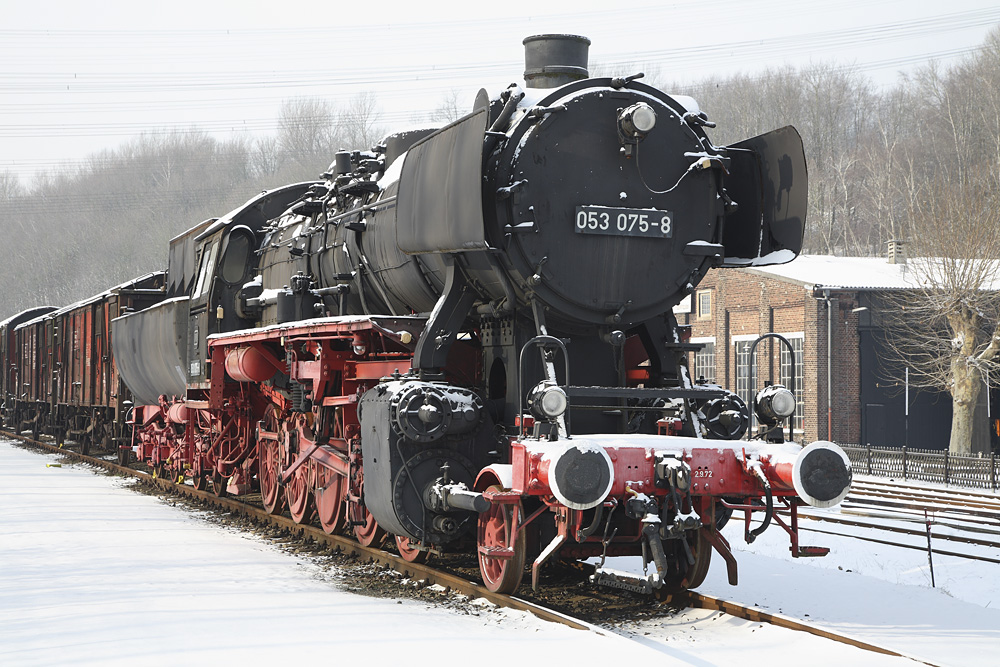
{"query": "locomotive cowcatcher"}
(463, 338)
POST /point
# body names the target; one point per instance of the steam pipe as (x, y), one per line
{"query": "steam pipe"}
(583, 534)
(829, 367)
(514, 96)
(768, 513)
(457, 497)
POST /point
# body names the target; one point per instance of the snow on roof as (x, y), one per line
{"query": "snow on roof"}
(90, 299)
(194, 230)
(856, 273)
(32, 322)
(36, 311)
(235, 213)
(403, 128)
(315, 321)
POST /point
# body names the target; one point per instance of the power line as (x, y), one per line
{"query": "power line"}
(102, 82)
(396, 84)
(259, 124)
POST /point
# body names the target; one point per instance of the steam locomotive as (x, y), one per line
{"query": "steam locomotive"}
(464, 339)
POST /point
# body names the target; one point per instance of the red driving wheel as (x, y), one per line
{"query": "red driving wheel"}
(330, 500)
(366, 528)
(408, 552)
(298, 494)
(269, 465)
(501, 569)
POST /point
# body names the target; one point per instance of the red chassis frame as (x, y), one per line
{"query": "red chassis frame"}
(301, 447)
(721, 472)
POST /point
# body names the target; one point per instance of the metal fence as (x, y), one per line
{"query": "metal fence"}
(928, 465)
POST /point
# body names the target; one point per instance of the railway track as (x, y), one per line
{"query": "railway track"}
(449, 580)
(962, 503)
(968, 517)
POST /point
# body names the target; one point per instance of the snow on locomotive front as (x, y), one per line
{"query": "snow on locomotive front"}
(571, 216)
(519, 268)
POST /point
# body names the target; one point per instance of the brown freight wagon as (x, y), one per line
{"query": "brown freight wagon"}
(11, 387)
(75, 389)
(34, 358)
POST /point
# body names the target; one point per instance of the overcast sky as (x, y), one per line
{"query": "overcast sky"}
(78, 76)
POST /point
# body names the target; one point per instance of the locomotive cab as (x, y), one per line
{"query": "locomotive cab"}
(228, 259)
(163, 350)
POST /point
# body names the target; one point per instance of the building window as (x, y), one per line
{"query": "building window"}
(704, 360)
(704, 304)
(746, 380)
(794, 384)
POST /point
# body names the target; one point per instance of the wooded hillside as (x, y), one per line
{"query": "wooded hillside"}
(72, 234)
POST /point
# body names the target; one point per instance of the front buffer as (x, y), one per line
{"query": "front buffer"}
(663, 497)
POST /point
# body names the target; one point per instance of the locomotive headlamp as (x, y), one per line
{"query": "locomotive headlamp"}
(774, 403)
(358, 345)
(637, 120)
(547, 401)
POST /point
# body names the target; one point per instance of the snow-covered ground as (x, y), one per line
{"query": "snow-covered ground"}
(92, 573)
(877, 593)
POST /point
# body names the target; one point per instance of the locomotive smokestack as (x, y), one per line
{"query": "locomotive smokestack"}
(551, 61)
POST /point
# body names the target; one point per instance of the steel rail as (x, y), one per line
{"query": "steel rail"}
(978, 518)
(755, 614)
(964, 525)
(898, 529)
(917, 485)
(904, 531)
(920, 504)
(450, 582)
(952, 495)
(937, 505)
(907, 509)
(980, 500)
(942, 552)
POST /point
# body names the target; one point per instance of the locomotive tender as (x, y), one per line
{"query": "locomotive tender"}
(464, 337)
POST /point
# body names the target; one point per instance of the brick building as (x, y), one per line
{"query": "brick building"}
(827, 308)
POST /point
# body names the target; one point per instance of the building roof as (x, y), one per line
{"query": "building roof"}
(854, 273)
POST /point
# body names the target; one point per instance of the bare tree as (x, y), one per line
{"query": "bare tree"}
(359, 122)
(946, 328)
(952, 181)
(265, 156)
(306, 131)
(879, 165)
(831, 107)
(10, 185)
(452, 107)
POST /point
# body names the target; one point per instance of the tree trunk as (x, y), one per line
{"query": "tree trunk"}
(964, 395)
(981, 442)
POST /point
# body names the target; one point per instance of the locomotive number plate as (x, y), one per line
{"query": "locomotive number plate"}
(649, 222)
